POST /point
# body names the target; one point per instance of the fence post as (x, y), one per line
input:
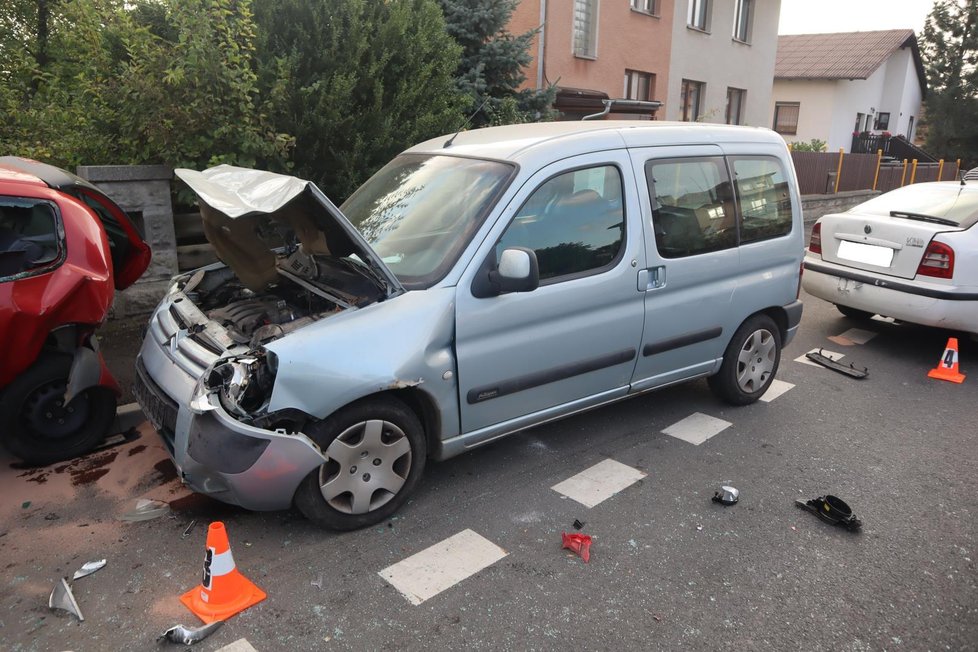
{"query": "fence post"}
(838, 170)
(903, 177)
(879, 159)
(940, 170)
(957, 169)
(913, 171)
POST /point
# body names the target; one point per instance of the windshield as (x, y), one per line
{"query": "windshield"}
(418, 212)
(950, 201)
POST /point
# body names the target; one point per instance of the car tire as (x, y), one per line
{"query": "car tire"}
(854, 313)
(38, 428)
(377, 452)
(749, 363)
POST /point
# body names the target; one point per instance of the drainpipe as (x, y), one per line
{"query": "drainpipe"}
(541, 43)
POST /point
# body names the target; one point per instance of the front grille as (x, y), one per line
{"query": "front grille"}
(159, 408)
(184, 348)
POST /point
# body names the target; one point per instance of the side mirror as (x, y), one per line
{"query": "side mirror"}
(517, 271)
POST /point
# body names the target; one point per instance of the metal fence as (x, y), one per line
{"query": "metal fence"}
(826, 172)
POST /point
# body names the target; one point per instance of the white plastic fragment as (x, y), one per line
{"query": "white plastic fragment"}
(88, 568)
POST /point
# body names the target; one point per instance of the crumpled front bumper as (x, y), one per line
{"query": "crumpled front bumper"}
(214, 453)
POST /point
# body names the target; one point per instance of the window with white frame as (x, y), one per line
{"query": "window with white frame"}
(735, 106)
(638, 85)
(743, 15)
(699, 14)
(586, 28)
(646, 6)
(692, 99)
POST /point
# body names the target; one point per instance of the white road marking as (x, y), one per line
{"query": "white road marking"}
(831, 355)
(240, 645)
(441, 566)
(599, 482)
(858, 335)
(697, 428)
(777, 388)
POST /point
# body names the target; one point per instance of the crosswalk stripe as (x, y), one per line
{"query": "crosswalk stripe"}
(777, 388)
(697, 428)
(599, 482)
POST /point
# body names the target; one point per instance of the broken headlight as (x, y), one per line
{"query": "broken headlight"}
(243, 383)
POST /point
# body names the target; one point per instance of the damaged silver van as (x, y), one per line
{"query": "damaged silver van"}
(477, 285)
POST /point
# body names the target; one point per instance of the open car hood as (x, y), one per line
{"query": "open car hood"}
(238, 205)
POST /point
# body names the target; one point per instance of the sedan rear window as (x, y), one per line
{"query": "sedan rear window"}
(945, 201)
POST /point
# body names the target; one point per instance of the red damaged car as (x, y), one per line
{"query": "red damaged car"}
(65, 247)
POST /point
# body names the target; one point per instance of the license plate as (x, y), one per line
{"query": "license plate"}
(159, 412)
(864, 253)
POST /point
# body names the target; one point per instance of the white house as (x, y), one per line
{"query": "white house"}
(722, 61)
(827, 86)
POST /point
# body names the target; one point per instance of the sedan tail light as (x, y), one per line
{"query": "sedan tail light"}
(815, 242)
(938, 261)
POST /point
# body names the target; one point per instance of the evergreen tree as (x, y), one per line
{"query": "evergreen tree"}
(950, 50)
(356, 82)
(493, 60)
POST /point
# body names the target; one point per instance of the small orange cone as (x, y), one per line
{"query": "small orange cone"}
(947, 368)
(223, 591)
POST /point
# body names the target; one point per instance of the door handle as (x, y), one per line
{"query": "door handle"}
(652, 278)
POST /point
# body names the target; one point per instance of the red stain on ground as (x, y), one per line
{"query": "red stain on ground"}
(137, 449)
(87, 477)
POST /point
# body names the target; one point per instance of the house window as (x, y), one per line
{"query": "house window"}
(699, 14)
(646, 6)
(882, 121)
(735, 105)
(586, 28)
(786, 117)
(638, 85)
(743, 11)
(692, 97)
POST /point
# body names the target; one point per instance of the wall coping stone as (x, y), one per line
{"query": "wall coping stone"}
(109, 173)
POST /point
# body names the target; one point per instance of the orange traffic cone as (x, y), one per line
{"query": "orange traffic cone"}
(223, 591)
(947, 368)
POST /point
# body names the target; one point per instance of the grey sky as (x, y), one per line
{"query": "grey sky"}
(818, 16)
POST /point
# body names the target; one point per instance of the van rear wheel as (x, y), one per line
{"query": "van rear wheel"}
(376, 449)
(749, 363)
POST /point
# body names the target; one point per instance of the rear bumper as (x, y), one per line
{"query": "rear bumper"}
(915, 303)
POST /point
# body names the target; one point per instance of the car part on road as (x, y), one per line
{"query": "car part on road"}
(832, 509)
(145, 510)
(186, 533)
(749, 363)
(579, 544)
(88, 568)
(223, 590)
(62, 598)
(188, 636)
(726, 496)
(829, 363)
(579, 524)
(947, 368)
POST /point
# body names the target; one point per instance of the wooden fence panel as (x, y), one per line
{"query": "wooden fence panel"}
(858, 171)
(890, 176)
(813, 170)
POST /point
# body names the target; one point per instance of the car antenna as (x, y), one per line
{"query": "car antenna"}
(448, 143)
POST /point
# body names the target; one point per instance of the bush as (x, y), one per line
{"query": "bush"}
(814, 145)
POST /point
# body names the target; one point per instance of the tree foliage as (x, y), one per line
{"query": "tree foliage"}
(491, 68)
(950, 50)
(355, 81)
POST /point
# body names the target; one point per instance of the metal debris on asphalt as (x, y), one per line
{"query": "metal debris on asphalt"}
(579, 544)
(62, 598)
(145, 509)
(726, 496)
(831, 509)
(578, 524)
(829, 363)
(186, 533)
(187, 635)
(318, 582)
(88, 568)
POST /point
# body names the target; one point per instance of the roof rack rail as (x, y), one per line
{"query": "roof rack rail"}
(631, 106)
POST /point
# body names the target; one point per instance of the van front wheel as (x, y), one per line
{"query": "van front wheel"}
(749, 363)
(376, 453)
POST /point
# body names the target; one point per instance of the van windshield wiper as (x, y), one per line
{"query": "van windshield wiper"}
(923, 218)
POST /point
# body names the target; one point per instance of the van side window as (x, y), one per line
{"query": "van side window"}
(762, 194)
(573, 221)
(692, 206)
(29, 237)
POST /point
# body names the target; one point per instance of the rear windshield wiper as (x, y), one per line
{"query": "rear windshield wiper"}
(923, 218)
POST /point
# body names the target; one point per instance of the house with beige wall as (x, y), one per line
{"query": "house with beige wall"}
(707, 60)
(828, 86)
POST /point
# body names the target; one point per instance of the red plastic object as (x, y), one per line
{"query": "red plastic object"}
(578, 543)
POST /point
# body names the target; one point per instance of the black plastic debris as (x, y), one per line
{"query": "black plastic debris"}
(829, 363)
(832, 509)
(726, 496)
(578, 524)
(187, 635)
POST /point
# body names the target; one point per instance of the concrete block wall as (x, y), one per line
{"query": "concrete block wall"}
(143, 191)
(815, 206)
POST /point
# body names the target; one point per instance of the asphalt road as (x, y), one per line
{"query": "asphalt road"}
(669, 569)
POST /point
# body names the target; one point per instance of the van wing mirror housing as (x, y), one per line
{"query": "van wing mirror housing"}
(516, 271)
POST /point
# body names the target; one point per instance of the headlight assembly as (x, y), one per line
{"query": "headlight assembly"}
(243, 383)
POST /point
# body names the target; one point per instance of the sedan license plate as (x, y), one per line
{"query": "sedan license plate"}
(864, 253)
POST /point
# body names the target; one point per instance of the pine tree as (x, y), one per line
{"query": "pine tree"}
(493, 60)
